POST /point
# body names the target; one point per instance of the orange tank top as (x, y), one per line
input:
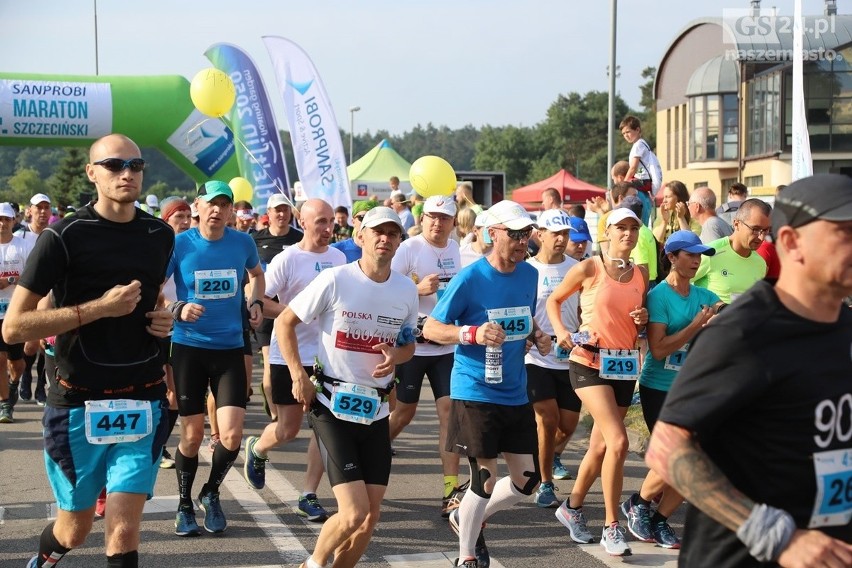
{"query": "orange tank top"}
(606, 305)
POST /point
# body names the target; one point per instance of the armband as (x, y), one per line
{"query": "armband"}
(175, 308)
(766, 532)
(467, 334)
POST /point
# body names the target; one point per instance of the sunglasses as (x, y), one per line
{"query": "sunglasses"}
(118, 165)
(517, 234)
(360, 217)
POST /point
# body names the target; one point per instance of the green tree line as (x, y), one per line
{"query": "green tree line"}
(572, 135)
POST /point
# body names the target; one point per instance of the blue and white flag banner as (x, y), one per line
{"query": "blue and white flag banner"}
(317, 146)
(802, 163)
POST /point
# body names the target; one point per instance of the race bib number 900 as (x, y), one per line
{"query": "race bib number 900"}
(516, 322)
(215, 284)
(117, 421)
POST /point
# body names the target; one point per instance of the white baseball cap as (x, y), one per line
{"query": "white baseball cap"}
(481, 220)
(379, 216)
(508, 213)
(554, 220)
(152, 201)
(621, 214)
(277, 199)
(440, 204)
(7, 211)
(39, 198)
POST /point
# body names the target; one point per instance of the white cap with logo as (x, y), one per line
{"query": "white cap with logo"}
(440, 204)
(379, 216)
(39, 198)
(277, 199)
(508, 213)
(554, 220)
(7, 211)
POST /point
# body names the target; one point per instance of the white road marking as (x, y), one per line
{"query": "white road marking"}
(644, 554)
(428, 560)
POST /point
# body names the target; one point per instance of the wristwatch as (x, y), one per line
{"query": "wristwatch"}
(11, 280)
(257, 303)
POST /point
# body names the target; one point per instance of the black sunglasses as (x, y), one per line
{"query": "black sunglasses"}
(119, 165)
(517, 234)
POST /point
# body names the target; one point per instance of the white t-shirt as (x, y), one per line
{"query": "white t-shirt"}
(416, 257)
(549, 277)
(287, 275)
(648, 159)
(355, 314)
(27, 235)
(13, 258)
(468, 254)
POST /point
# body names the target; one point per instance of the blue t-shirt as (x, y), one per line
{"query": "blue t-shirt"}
(668, 307)
(473, 291)
(349, 248)
(211, 273)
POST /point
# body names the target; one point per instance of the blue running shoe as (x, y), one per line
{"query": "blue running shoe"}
(638, 518)
(664, 536)
(559, 470)
(185, 524)
(310, 508)
(214, 518)
(254, 468)
(545, 496)
(33, 563)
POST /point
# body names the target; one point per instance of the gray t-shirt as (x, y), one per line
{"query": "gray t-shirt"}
(713, 229)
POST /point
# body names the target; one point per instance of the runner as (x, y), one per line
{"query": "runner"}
(556, 406)
(287, 275)
(755, 431)
(367, 315)
(207, 346)
(431, 260)
(604, 367)
(106, 416)
(487, 310)
(677, 311)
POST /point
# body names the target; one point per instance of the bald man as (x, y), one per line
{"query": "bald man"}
(288, 274)
(702, 208)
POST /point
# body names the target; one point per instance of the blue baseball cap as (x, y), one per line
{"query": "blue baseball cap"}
(688, 241)
(579, 230)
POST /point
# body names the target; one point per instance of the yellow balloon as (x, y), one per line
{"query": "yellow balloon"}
(431, 175)
(242, 189)
(212, 92)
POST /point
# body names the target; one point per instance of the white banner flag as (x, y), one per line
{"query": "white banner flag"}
(320, 158)
(802, 163)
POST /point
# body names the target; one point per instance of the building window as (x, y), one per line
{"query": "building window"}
(754, 181)
(671, 139)
(828, 101)
(764, 106)
(698, 184)
(726, 184)
(713, 118)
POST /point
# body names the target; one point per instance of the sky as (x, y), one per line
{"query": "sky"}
(404, 62)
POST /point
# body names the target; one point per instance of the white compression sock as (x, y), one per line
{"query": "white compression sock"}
(471, 514)
(504, 496)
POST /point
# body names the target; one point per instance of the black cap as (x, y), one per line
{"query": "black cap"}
(827, 197)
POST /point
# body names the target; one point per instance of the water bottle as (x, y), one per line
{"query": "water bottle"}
(493, 365)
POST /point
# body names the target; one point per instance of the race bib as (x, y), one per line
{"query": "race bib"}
(215, 284)
(442, 286)
(355, 403)
(516, 322)
(4, 305)
(560, 353)
(675, 361)
(620, 364)
(833, 504)
(117, 421)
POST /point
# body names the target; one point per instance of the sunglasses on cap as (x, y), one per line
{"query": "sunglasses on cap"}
(516, 234)
(119, 165)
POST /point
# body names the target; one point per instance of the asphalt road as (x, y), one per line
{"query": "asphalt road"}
(264, 531)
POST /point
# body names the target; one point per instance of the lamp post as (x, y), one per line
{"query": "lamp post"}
(352, 111)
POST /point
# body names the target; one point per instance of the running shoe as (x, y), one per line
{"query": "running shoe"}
(559, 470)
(33, 563)
(40, 397)
(453, 500)
(6, 413)
(25, 392)
(100, 504)
(638, 518)
(545, 495)
(167, 461)
(575, 521)
(310, 508)
(664, 536)
(185, 524)
(214, 518)
(612, 539)
(469, 563)
(483, 558)
(254, 468)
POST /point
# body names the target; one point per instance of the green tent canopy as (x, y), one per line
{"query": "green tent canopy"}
(370, 174)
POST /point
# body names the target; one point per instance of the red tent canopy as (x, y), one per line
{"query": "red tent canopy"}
(573, 190)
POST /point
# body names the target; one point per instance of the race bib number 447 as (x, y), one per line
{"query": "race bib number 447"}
(117, 421)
